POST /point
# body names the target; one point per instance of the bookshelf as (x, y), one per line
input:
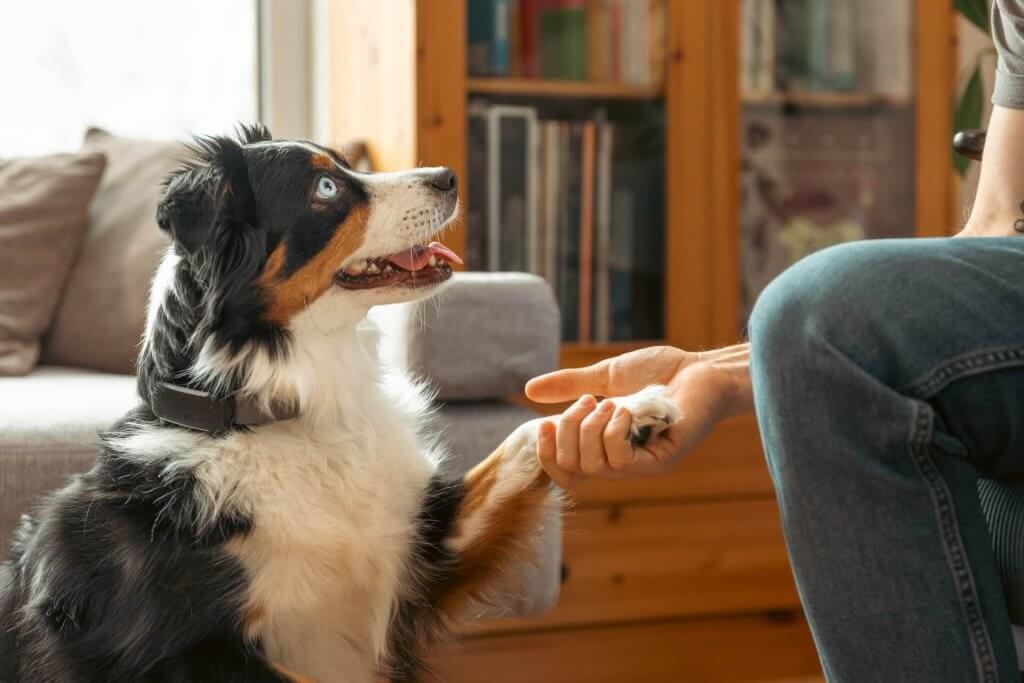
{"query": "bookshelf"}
(710, 588)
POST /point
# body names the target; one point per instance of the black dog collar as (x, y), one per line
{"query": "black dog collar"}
(199, 410)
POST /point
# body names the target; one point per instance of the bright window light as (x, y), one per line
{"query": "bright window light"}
(142, 69)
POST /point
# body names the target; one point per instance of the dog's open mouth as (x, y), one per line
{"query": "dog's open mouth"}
(418, 266)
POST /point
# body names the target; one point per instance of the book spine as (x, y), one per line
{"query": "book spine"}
(477, 211)
(493, 190)
(532, 199)
(586, 232)
(516, 68)
(551, 199)
(574, 39)
(615, 38)
(500, 39)
(602, 232)
(479, 27)
(529, 17)
(596, 19)
(552, 63)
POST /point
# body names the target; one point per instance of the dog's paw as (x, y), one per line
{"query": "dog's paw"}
(652, 410)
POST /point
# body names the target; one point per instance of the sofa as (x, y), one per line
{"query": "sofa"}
(478, 346)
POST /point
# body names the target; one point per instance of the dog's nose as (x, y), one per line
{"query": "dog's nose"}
(443, 180)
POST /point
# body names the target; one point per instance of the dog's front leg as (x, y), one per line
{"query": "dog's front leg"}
(505, 501)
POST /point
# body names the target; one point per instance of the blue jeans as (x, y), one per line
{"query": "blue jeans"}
(888, 377)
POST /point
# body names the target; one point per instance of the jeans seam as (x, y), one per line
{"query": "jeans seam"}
(956, 554)
(971, 364)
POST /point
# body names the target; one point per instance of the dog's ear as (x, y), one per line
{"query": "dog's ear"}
(212, 189)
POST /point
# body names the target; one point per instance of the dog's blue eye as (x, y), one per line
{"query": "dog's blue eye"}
(326, 188)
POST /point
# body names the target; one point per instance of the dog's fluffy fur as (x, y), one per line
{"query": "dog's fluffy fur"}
(329, 547)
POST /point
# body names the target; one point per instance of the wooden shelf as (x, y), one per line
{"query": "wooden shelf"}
(535, 87)
(824, 99)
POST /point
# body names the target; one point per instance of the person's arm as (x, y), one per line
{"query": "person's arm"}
(591, 439)
(998, 202)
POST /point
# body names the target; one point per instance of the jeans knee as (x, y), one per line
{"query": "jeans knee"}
(824, 300)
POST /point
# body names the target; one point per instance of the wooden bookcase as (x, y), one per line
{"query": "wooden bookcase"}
(683, 577)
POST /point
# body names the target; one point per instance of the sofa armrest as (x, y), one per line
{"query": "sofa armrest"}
(483, 338)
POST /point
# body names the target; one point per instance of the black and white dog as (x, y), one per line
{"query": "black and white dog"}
(304, 530)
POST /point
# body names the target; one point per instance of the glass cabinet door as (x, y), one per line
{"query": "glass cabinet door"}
(827, 130)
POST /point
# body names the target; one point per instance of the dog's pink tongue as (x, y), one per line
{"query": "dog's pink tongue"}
(417, 258)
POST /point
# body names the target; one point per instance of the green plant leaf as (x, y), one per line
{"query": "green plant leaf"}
(975, 11)
(968, 111)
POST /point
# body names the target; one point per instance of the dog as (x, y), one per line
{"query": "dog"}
(274, 509)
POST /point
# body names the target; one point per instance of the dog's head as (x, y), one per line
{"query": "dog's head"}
(267, 231)
(313, 224)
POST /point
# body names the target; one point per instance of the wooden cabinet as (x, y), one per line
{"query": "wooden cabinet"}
(667, 579)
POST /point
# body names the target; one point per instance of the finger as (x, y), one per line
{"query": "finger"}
(546, 455)
(566, 385)
(620, 452)
(592, 456)
(567, 440)
(546, 450)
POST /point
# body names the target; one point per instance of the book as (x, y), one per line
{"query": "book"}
(567, 285)
(478, 187)
(480, 29)
(602, 232)
(500, 39)
(516, 54)
(512, 163)
(588, 143)
(529, 40)
(551, 200)
(563, 40)
(597, 39)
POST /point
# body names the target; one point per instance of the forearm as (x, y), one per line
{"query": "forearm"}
(997, 204)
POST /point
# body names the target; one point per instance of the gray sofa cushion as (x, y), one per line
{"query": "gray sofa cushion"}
(489, 334)
(49, 428)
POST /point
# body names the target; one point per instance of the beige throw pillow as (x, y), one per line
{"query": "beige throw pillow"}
(43, 204)
(100, 319)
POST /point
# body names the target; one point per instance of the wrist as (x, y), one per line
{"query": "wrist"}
(725, 375)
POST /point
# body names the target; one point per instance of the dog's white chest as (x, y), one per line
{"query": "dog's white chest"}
(332, 524)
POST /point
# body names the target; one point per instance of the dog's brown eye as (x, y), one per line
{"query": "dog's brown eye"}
(326, 188)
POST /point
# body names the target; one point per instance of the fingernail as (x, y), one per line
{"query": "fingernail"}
(605, 406)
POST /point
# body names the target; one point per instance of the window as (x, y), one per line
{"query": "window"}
(144, 69)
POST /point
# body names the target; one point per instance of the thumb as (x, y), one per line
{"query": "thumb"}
(567, 385)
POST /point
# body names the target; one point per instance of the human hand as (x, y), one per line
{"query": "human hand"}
(591, 438)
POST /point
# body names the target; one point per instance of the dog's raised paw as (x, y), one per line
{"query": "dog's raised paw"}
(652, 410)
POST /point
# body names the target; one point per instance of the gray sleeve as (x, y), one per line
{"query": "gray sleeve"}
(1008, 35)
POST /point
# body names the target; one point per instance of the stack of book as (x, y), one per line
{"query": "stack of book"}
(579, 202)
(619, 41)
(838, 45)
